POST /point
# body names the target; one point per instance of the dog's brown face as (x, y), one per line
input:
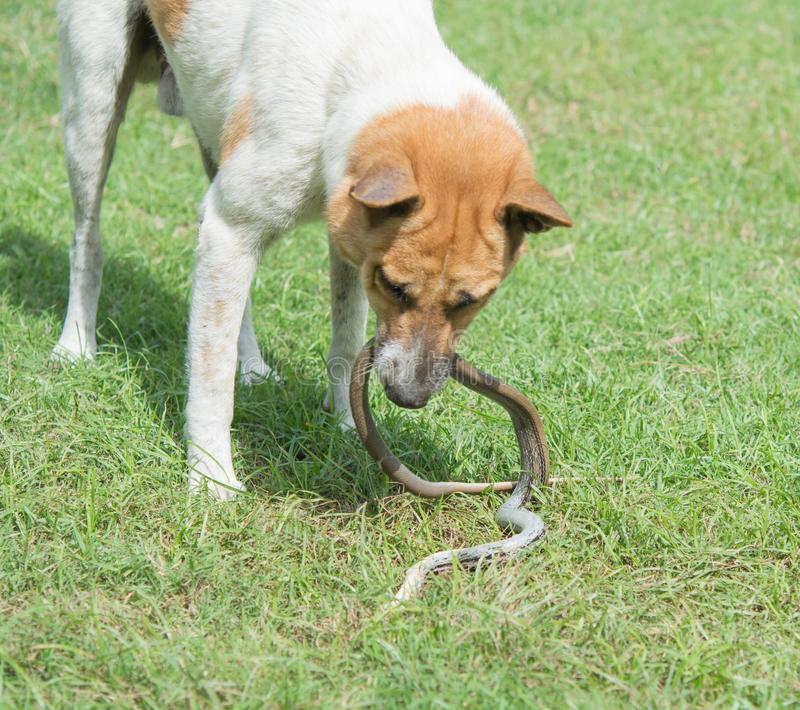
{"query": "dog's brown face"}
(433, 212)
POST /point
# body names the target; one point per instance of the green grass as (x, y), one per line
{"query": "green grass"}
(660, 339)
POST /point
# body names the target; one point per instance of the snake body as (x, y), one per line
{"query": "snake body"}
(534, 468)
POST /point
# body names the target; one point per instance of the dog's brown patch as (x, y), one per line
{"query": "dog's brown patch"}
(168, 16)
(432, 210)
(219, 313)
(238, 127)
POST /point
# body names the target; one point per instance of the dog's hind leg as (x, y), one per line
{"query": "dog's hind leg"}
(101, 44)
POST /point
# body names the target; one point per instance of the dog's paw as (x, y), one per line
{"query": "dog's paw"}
(69, 354)
(212, 474)
(255, 371)
(215, 489)
(345, 416)
(346, 422)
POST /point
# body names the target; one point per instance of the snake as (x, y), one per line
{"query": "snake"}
(527, 526)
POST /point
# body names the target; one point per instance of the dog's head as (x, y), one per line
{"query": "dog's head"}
(433, 211)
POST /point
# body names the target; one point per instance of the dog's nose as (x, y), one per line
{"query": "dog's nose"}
(406, 399)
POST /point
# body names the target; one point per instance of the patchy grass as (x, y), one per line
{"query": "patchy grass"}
(660, 338)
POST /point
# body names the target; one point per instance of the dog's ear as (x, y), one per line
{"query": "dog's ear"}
(387, 188)
(529, 207)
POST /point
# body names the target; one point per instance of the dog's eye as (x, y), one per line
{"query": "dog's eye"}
(465, 300)
(396, 291)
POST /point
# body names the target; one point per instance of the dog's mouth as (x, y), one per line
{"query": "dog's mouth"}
(405, 399)
(410, 377)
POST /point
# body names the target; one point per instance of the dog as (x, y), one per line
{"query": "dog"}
(353, 110)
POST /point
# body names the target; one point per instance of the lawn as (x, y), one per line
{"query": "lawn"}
(660, 339)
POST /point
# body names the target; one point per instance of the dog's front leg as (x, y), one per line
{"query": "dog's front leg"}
(226, 260)
(349, 310)
(252, 368)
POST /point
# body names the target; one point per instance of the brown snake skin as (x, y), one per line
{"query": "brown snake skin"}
(534, 469)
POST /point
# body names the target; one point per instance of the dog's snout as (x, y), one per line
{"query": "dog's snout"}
(411, 376)
(406, 399)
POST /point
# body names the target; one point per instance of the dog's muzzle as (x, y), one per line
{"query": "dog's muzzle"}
(411, 376)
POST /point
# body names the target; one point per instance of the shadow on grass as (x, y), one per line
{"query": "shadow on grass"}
(285, 440)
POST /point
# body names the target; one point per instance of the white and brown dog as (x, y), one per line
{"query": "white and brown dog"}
(351, 108)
